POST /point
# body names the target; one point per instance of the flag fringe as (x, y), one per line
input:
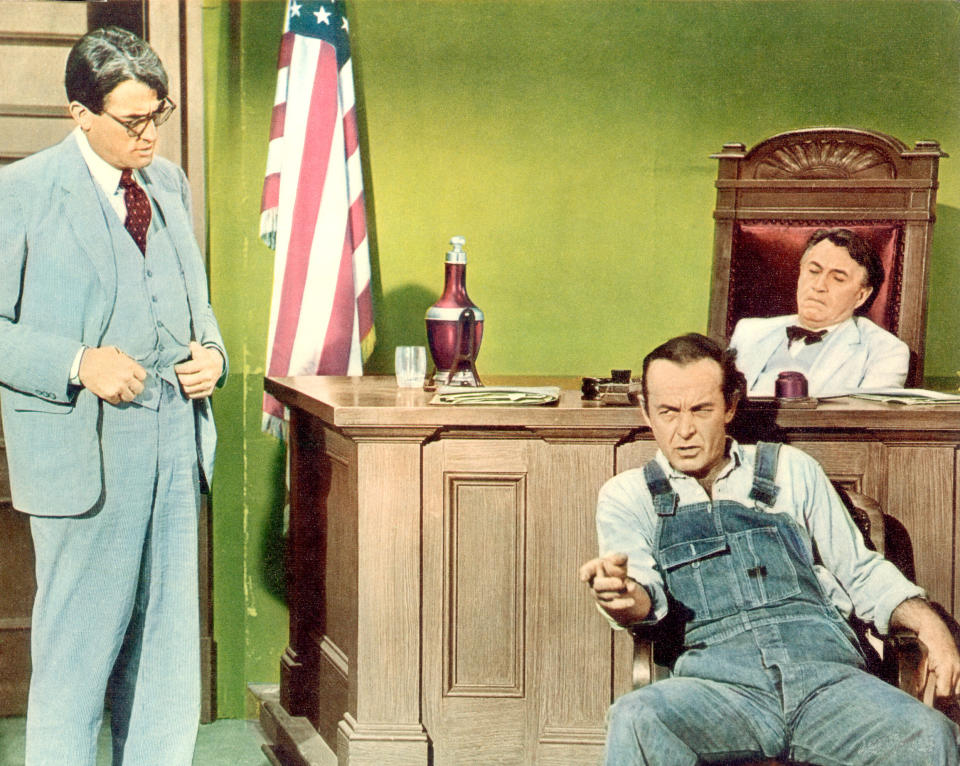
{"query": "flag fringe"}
(268, 227)
(273, 425)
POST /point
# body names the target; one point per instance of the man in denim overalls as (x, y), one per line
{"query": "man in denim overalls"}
(761, 564)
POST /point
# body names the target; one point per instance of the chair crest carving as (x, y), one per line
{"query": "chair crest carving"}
(825, 158)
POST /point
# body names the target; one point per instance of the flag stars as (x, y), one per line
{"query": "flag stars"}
(344, 26)
(323, 16)
(295, 9)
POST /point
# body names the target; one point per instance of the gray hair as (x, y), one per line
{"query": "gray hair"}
(103, 59)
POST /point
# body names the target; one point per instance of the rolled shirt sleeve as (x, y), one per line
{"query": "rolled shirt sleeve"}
(874, 586)
(626, 523)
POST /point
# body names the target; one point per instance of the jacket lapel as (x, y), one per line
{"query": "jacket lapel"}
(766, 346)
(82, 209)
(840, 349)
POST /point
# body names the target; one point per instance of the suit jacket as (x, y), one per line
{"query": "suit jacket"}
(58, 285)
(856, 355)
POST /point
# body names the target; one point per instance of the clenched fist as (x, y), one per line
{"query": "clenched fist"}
(111, 374)
(198, 376)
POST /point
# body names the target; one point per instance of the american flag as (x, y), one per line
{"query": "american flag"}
(312, 213)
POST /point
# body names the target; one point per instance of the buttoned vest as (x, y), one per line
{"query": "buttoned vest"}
(151, 316)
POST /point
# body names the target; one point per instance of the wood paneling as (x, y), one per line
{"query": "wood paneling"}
(920, 496)
(484, 577)
(462, 618)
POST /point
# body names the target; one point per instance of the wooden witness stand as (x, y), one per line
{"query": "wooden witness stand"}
(435, 612)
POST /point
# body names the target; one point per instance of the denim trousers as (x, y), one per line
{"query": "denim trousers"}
(116, 614)
(793, 689)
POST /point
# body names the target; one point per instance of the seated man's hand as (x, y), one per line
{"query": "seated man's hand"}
(622, 598)
(943, 659)
(111, 374)
(198, 376)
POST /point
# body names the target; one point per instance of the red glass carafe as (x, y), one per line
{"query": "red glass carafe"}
(455, 324)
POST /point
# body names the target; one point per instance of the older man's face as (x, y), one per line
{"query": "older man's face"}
(831, 286)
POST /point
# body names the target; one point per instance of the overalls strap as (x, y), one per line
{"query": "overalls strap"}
(664, 498)
(764, 488)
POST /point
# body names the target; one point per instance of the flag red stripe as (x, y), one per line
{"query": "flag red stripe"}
(272, 407)
(335, 356)
(313, 170)
(350, 138)
(286, 50)
(277, 118)
(358, 222)
(271, 191)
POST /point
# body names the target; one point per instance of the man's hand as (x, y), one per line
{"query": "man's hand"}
(111, 374)
(943, 658)
(198, 376)
(619, 596)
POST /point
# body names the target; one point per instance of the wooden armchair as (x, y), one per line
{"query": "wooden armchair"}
(901, 658)
(772, 197)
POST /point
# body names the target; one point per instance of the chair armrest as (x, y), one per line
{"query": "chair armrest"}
(905, 665)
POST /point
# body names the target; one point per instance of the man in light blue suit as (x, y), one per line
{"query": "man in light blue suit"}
(109, 352)
(827, 340)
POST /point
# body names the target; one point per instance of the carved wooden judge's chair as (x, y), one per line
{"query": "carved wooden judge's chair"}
(771, 198)
(899, 658)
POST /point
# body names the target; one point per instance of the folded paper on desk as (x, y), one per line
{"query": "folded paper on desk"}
(496, 395)
(907, 396)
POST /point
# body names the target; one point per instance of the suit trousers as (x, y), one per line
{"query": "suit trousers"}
(116, 615)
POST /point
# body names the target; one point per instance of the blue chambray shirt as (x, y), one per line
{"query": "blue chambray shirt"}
(855, 578)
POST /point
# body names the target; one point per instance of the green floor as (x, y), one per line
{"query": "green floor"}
(223, 743)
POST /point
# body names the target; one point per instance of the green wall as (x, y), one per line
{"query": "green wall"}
(569, 142)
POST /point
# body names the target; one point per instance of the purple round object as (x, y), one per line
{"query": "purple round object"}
(791, 385)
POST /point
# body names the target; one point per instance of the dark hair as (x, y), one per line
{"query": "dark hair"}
(685, 349)
(861, 251)
(104, 58)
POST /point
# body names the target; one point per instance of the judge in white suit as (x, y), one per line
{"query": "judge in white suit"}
(827, 340)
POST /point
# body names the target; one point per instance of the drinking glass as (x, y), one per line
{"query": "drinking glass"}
(410, 364)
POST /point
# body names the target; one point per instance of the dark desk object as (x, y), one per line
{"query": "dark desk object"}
(433, 551)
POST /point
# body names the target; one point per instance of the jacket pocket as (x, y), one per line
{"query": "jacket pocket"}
(25, 403)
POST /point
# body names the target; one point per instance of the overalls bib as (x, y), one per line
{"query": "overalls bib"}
(731, 568)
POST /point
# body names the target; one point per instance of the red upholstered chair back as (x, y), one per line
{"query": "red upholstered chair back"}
(771, 198)
(765, 265)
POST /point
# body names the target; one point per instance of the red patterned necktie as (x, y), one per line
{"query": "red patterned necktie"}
(138, 209)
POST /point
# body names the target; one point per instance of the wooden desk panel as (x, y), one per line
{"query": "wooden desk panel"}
(435, 612)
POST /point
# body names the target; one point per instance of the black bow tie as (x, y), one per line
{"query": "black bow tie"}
(796, 332)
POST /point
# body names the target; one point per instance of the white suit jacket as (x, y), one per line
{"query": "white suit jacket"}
(856, 355)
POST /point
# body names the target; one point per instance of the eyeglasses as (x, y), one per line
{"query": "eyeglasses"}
(136, 127)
